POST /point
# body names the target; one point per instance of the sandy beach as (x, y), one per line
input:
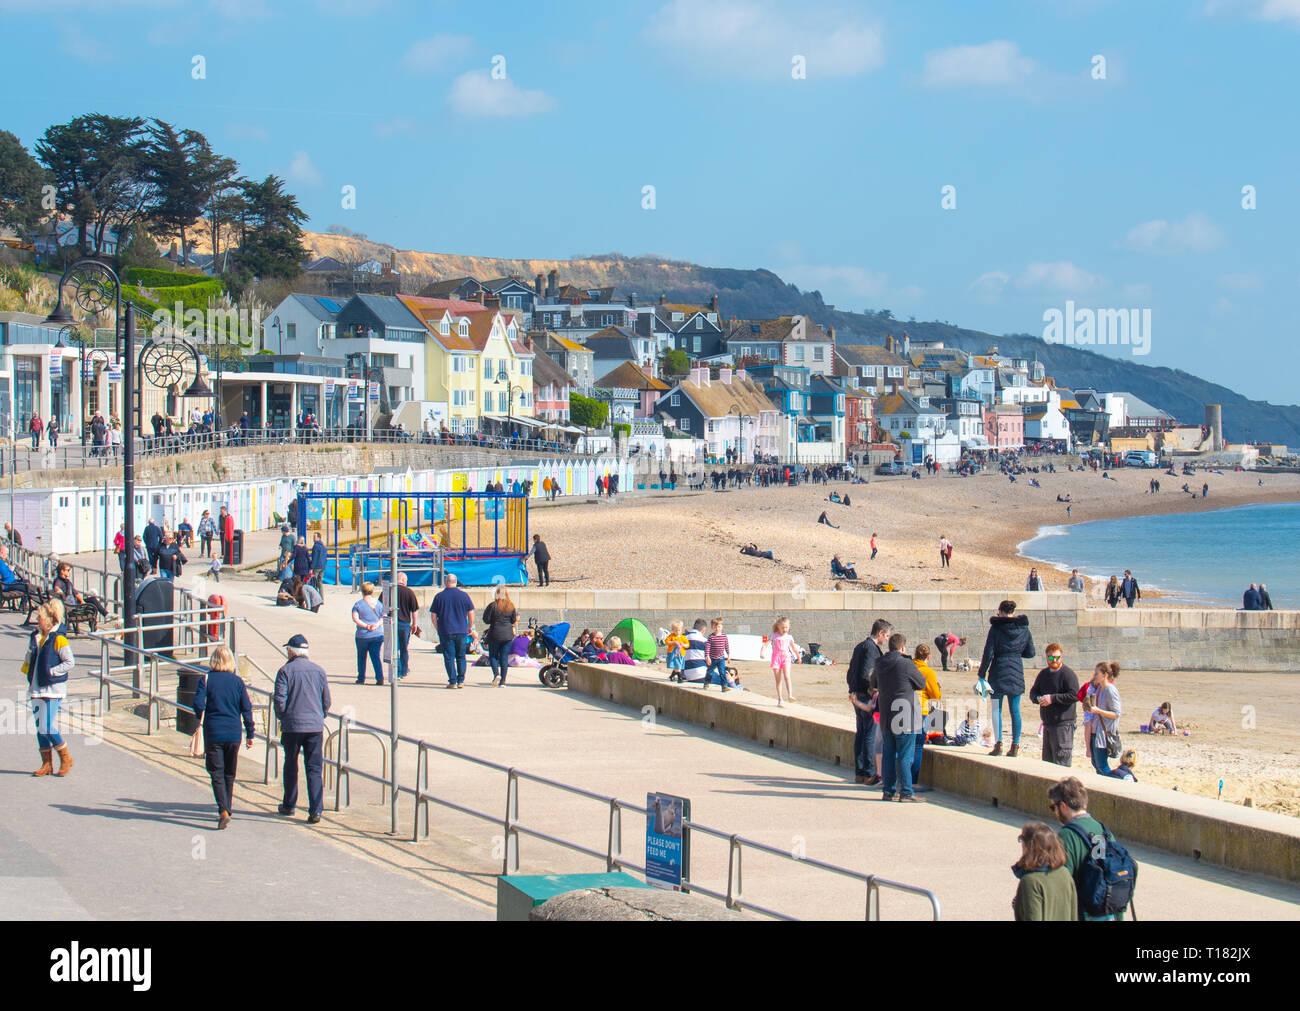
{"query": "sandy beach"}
(689, 540)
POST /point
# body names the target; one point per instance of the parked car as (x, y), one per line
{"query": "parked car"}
(1141, 458)
(893, 467)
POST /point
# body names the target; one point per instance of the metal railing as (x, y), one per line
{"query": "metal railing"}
(41, 569)
(147, 662)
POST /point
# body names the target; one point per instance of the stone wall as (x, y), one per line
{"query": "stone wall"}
(1138, 639)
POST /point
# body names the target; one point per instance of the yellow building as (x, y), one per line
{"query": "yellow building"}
(451, 361)
(505, 372)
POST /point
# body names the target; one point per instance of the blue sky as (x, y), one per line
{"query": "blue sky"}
(1117, 192)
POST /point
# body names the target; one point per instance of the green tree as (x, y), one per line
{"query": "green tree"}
(222, 191)
(174, 166)
(98, 168)
(676, 363)
(271, 230)
(21, 178)
(587, 412)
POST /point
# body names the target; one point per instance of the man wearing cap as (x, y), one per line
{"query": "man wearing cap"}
(302, 698)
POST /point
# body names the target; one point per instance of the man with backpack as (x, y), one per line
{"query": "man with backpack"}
(1105, 876)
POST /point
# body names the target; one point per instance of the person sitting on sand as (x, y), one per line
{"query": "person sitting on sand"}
(968, 730)
(1125, 768)
(1162, 720)
(846, 501)
(822, 519)
(834, 497)
(841, 570)
(752, 549)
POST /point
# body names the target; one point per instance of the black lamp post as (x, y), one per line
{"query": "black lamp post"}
(735, 409)
(95, 285)
(504, 377)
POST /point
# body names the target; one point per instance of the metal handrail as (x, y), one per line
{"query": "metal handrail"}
(513, 827)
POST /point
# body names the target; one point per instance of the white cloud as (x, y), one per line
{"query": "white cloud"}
(760, 38)
(994, 64)
(303, 170)
(248, 131)
(1136, 292)
(397, 127)
(856, 281)
(1242, 282)
(1194, 234)
(477, 93)
(1258, 10)
(438, 52)
(1057, 276)
(991, 283)
(81, 45)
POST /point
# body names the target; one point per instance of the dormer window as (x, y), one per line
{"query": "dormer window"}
(463, 328)
(444, 328)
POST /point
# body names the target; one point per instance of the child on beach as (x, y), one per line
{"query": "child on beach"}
(718, 652)
(1125, 768)
(986, 737)
(782, 652)
(968, 730)
(676, 644)
(1162, 720)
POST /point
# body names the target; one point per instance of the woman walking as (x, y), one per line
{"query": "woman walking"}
(945, 551)
(1046, 891)
(221, 703)
(368, 616)
(207, 530)
(49, 661)
(1112, 591)
(782, 651)
(52, 430)
(1008, 645)
(1106, 709)
(500, 617)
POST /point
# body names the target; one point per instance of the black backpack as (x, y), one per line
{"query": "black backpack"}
(1107, 877)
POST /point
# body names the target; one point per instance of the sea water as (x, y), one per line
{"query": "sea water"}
(1199, 558)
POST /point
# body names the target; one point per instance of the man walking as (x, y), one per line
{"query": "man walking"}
(318, 564)
(542, 556)
(1068, 800)
(408, 614)
(452, 612)
(1075, 585)
(153, 536)
(862, 684)
(1055, 690)
(899, 680)
(1129, 589)
(302, 698)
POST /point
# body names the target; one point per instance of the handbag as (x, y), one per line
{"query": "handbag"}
(1112, 744)
(196, 743)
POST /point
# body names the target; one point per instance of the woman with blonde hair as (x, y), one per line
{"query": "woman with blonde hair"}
(1046, 891)
(49, 661)
(500, 617)
(368, 615)
(220, 705)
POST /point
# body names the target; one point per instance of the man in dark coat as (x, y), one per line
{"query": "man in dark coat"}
(1055, 691)
(301, 560)
(1008, 645)
(542, 556)
(1129, 589)
(318, 564)
(1250, 599)
(899, 680)
(862, 685)
(153, 536)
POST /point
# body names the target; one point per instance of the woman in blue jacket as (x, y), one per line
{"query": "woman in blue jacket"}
(1008, 645)
(49, 661)
(220, 704)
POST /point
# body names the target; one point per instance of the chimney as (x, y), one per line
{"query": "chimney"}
(631, 300)
(663, 299)
(480, 295)
(724, 375)
(537, 285)
(552, 281)
(700, 376)
(713, 303)
(993, 350)
(831, 331)
(741, 375)
(889, 344)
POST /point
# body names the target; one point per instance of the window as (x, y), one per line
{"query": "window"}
(525, 368)
(487, 369)
(895, 372)
(463, 328)
(675, 400)
(606, 319)
(471, 396)
(696, 345)
(699, 323)
(798, 352)
(677, 317)
(686, 424)
(457, 398)
(744, 351)
(444, 327)
(291, 331)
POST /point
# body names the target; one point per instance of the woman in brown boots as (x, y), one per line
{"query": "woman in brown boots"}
(49, 661)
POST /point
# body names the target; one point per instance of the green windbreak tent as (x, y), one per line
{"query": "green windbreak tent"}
(629, 630)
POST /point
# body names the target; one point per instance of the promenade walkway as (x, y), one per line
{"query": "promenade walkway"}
(960, 849)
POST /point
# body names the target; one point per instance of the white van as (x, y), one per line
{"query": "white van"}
(1140, 458)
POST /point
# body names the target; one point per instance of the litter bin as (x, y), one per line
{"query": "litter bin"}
(187, 684)
(236, 549)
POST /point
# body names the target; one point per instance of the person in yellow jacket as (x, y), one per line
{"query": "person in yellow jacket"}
(49, 660)
(930, 693)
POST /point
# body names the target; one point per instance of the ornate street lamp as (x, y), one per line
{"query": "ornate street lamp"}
(70, 336)
(504, 377)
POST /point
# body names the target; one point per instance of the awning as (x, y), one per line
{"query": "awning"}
(525, 422)
(975, 442)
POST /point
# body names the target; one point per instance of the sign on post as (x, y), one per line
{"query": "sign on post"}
(667, 847)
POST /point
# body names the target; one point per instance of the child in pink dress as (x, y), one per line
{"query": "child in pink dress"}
(783, 654)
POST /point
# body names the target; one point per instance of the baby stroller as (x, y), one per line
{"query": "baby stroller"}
(548, 641)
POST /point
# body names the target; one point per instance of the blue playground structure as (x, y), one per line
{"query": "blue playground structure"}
(480, 537)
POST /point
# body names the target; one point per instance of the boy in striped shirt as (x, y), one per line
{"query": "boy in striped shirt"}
(718, 652)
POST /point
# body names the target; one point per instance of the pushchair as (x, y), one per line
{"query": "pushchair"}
(548, 641)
